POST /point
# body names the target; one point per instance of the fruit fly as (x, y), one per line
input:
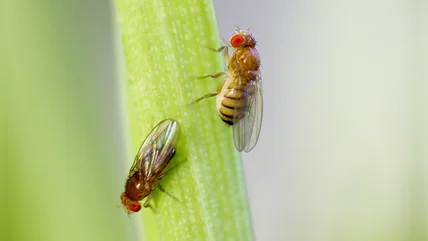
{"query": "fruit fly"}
(239, 96)
(150, 164)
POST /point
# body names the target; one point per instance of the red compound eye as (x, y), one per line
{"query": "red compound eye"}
(135, 207)
(236, 40)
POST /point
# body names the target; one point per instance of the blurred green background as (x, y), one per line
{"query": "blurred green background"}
(343, 149)
(67, 141)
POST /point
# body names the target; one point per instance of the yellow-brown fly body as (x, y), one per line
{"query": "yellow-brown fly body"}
(239, 97)
(150, 164)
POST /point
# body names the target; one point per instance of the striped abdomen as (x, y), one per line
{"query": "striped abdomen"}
(229, 101)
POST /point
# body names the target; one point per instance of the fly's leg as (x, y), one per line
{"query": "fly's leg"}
(214, 76)
(226, 60)
(146, 203)
(167, 193)
(172, 167)
(226, 53)
(204, 97)
(211, 94)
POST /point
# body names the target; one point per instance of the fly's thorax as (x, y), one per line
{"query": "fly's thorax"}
(244, 63)
(137, 187)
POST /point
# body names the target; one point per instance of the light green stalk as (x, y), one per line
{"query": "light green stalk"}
(164, 44)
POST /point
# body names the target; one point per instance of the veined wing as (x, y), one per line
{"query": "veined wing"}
(246, 127)
(157, 150)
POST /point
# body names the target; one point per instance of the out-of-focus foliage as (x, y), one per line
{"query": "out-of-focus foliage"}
(65, 145)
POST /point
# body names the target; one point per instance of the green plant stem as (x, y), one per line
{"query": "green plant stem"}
(164, 44)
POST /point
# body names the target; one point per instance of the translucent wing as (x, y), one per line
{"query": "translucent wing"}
(247, 124)
(157, 150)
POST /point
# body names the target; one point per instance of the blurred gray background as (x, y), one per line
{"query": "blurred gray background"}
(343, 149)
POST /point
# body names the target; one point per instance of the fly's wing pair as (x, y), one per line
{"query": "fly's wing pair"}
(246, 127)
(157, 150)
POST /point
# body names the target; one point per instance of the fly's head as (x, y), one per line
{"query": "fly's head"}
(129, 205)
(136, 189)
(242, 38)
